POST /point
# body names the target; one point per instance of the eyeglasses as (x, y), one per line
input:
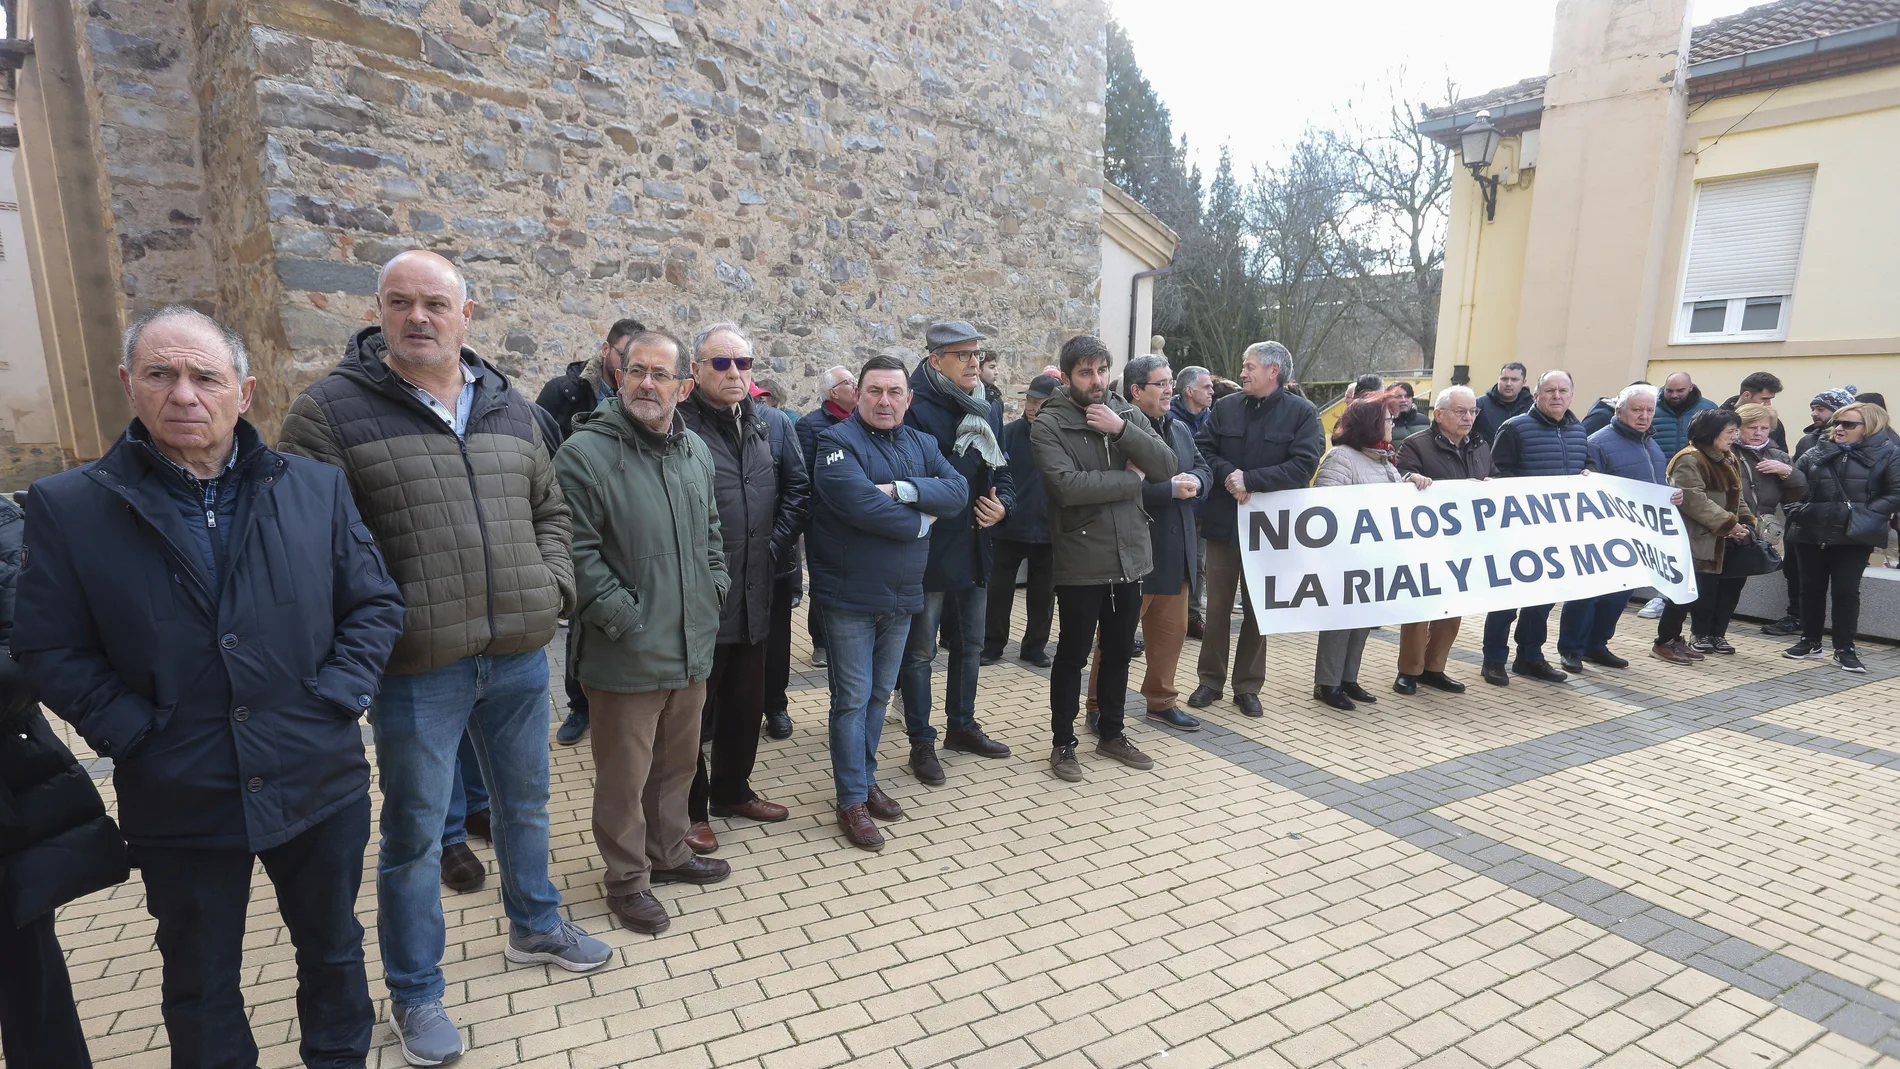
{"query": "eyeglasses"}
(1159, 384)
(659, 375)
(727, 363)
(981, 356)
(1848, 423)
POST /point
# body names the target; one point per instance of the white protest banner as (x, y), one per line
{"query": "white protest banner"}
(1364, 556)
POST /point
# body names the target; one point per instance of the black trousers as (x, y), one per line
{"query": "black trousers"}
(1837, 568)
(576, 697)
(1791, 572)
(778, 647)
(1010, 556)
(1715, 601)
(735, 707)
(199, 898)
(39, 1025)
(1116, 610)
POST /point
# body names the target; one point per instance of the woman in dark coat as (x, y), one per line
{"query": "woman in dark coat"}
(1716, 512)
(1853, 492)
(56, 844)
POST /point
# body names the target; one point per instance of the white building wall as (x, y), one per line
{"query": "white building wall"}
(26, 396)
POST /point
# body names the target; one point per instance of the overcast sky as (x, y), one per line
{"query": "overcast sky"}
(1255, 73)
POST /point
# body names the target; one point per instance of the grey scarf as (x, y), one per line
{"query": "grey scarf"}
(974, 430)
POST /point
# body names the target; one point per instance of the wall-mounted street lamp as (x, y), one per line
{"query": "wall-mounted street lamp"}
(1480, 147)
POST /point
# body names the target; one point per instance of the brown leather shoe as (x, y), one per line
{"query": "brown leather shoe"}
(462, 871)
(639, 912)
(1674, 651)
(858, 829)
(696, 870)
(881, 805)
(974, 742)
(700, 838)
(757, 809)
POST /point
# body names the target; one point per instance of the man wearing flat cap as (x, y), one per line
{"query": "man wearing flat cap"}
(1023, 536)
(949, 404)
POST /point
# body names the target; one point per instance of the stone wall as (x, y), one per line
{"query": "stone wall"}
(833, 176)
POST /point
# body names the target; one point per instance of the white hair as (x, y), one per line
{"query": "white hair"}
(706, 334)
(1633, 391)
(1453, 393)
(233, 342)
(1545, 377)
(837, 375)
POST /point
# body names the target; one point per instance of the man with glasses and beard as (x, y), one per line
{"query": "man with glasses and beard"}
(762, 502)
(650, 573)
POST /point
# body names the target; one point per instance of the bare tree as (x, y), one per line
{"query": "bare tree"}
(1391, 243)
(1295, 212)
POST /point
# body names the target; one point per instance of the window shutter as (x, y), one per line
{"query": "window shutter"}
(1747, 236)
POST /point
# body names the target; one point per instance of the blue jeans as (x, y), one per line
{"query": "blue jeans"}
(501, 703)
(1589, 623)
(865, 651)
(1533, 627)
(469, 796)
(966, 651)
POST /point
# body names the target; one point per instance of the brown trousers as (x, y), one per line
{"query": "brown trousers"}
(1164, 628)
(1424, 647)
(645, 749)
(1250, 657)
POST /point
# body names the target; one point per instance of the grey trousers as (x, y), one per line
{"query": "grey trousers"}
(1337, 660)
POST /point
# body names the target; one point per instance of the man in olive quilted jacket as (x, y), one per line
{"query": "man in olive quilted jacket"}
(453, 475)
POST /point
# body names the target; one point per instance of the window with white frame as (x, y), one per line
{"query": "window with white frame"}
(1744, 253)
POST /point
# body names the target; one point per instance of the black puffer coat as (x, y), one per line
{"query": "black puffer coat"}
(56, 841)
(762, 507)
(1846, 489)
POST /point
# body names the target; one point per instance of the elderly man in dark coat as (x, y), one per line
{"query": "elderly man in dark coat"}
(949, 403)
(214, 617)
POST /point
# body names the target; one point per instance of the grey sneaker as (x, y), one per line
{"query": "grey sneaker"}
(1124, 751)
(1652, 609)
(1063, 763)
(567, 946)
(427, 1035)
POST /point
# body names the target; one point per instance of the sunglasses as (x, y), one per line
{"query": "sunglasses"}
(727, 363)
(1848, 423)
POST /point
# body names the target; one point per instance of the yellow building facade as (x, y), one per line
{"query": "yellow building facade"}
(1718, 201)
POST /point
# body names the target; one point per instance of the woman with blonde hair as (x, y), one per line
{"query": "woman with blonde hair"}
(1853, 476)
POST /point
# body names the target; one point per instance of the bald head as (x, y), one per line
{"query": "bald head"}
(1676, 387)
(425, 310)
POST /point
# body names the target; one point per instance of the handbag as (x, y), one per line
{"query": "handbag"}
(1753, 555)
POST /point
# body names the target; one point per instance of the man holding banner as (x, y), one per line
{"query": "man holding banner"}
(1257, 441)
(1547, 440)
(1449, 450)
(1626, 448)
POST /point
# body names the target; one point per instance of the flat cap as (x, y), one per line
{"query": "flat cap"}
(1043, 387)
(950, 333)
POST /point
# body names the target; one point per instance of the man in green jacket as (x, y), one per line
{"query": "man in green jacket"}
(1095, 451)
(650, 577)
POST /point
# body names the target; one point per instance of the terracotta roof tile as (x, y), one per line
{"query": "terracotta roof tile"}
(1782, 22)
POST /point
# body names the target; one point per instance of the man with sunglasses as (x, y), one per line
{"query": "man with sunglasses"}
(762, 511)
(949, 404)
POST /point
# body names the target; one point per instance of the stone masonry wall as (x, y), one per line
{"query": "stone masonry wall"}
(833, 176)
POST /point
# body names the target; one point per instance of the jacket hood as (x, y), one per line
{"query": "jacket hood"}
(363, 362)
(1072, 416)
(1689, 401)
(614, 421)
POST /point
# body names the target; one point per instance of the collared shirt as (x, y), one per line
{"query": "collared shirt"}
(457, 419)
(209, 497)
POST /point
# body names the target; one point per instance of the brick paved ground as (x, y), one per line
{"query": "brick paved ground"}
(1657, 867)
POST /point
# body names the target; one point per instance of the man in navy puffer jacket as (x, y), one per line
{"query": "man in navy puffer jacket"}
(1625, 448)
(1547, 440)
(878, 486)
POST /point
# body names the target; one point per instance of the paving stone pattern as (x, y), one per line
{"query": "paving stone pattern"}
(1655, 867)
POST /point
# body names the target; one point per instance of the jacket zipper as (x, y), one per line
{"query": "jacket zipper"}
(481, 521)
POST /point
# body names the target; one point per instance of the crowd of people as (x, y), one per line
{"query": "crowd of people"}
(216, 615)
